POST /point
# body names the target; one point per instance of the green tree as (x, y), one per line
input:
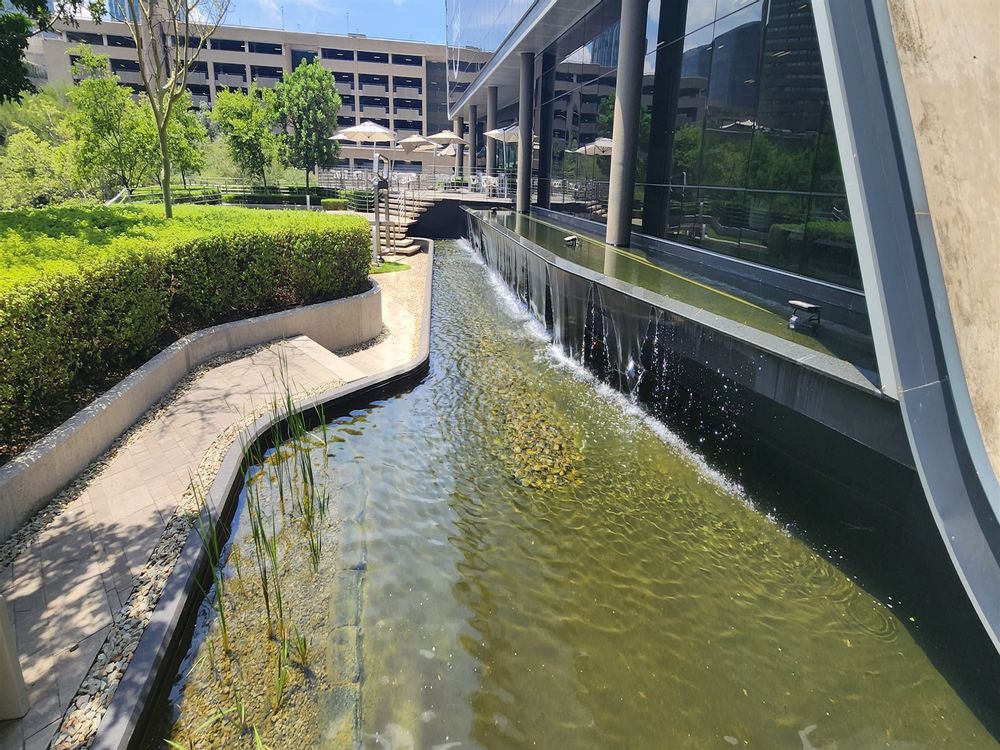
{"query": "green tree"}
(116, 139)
(19, 19)
(308, 103)
(32, 171)
(43, 113)
(247, 122)
(169, 36)
(186, 138)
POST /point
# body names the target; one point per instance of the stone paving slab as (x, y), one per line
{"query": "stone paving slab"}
(65, 588)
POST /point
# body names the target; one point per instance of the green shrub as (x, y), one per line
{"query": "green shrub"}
(334, 204)
(265, 199)
(120, 303)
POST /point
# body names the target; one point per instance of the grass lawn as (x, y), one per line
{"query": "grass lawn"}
(389, 266)
(63, 239)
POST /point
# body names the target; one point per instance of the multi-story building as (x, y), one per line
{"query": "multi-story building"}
(399, 84)
(845, 148)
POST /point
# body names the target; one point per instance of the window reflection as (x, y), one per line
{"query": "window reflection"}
(737, 151)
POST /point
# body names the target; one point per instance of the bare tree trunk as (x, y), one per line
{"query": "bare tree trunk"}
(308, 205)
(168, 204)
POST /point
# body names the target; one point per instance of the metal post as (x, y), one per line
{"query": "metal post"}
(491, 124)
(13, 692)
(527, 100)
(458, 124)
(625, 136)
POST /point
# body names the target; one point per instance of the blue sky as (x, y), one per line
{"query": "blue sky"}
(419, 20)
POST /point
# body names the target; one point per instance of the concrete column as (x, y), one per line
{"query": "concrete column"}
(625, 136)
(546, 112)
(491, 124)
(524, 115)
(473, 137)
(458, 125)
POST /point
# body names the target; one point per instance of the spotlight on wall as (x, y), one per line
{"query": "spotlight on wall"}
(572, 240)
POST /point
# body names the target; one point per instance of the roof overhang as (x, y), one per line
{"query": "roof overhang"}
(540, 26)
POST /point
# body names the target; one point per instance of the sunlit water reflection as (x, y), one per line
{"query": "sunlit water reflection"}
(545, 569)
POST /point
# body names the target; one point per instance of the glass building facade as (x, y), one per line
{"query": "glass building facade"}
(736, 153)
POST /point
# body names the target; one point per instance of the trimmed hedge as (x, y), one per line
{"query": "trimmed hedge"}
(60, 332)
(783, 238)
(267, 199)
(334, 204)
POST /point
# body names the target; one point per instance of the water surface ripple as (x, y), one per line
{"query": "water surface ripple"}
(544, 570)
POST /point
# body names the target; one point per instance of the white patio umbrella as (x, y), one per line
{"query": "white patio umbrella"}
(599, 147)
(368, 132)
(414, 142)
(447, 137)
(430, 148)
(505, 135)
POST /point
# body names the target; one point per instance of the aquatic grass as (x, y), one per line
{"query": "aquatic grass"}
(260, 543)
(207, 529)
(280, 684)
(301, 645)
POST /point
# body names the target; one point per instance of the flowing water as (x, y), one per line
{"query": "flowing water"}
(544, 567)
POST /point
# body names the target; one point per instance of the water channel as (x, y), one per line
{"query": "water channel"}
(539, 565)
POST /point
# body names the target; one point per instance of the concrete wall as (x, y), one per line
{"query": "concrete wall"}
(38, 474)
(950, 63)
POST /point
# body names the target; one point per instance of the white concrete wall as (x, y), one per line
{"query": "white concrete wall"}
(31, 479)
(949, 57)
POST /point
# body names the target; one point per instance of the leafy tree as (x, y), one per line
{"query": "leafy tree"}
(247, 122)
(19, 19)
(32, 172)
(169, 36)
(43, 113)
(308, 103)
(115, 136)
(186, 138)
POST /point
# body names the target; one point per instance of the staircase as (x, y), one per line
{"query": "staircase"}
(596, 208)
(404, 210)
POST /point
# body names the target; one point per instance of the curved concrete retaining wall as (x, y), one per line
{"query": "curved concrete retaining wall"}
(38, 474)
(150, 674)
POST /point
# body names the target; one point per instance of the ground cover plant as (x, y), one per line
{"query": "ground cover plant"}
(88, 292)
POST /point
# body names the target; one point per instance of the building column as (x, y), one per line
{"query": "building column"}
(546, 112)
(625, 136)
(663, 120)
(491, 124)
(473, 137)
(524, 115)
(458, 124)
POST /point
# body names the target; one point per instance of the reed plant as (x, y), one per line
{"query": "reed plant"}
(260, 543)
(301, 645)
(207, 529)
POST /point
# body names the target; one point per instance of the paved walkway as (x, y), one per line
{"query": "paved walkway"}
(67, 586)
